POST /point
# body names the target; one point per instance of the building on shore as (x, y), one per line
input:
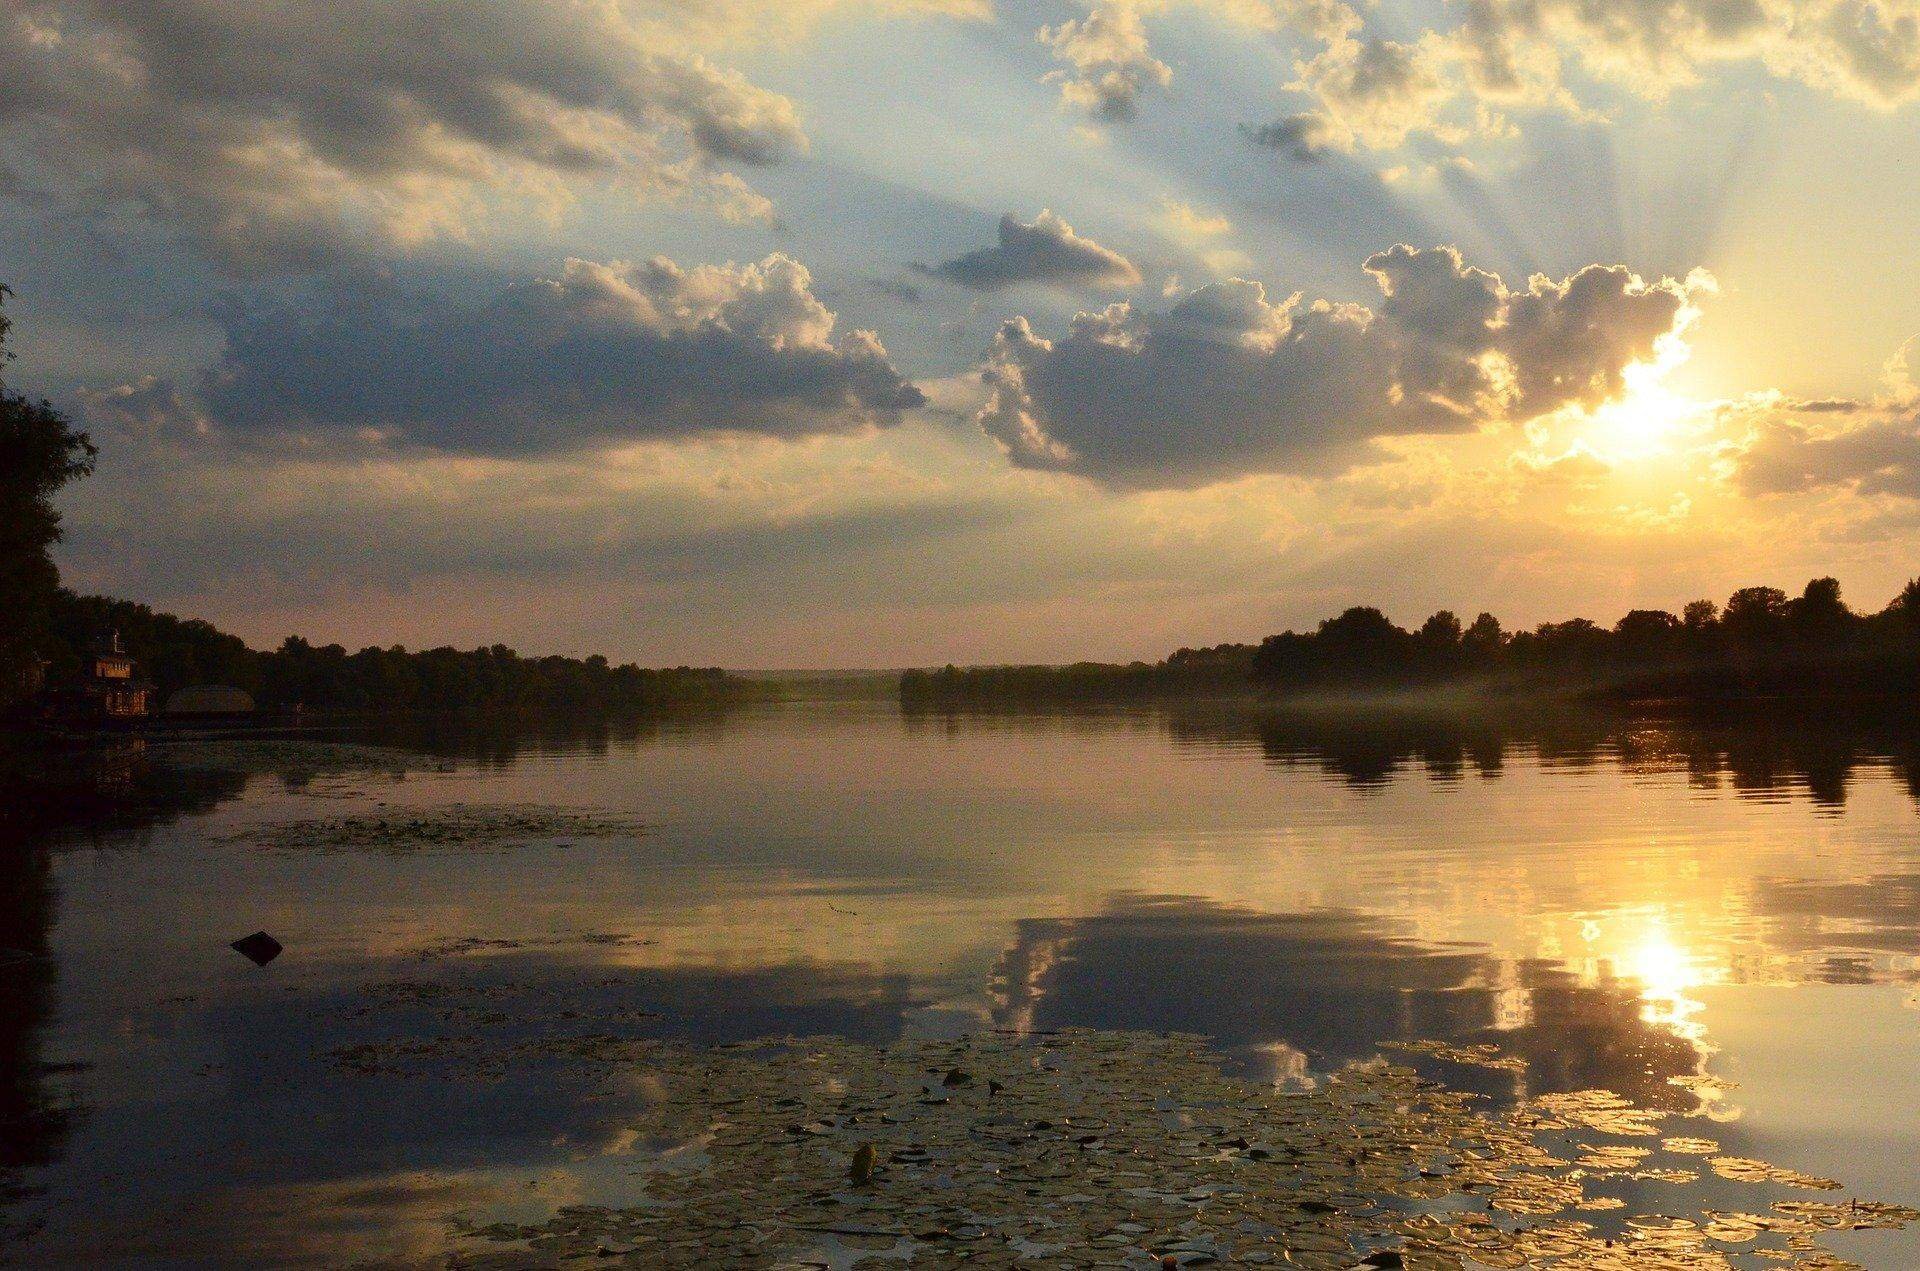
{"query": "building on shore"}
(106, 691)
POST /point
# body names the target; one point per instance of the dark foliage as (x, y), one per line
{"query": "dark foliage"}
(1762, 643)
(1221, 670)
(175, 652)
(39, 453)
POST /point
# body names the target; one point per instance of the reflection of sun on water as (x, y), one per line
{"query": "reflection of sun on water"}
(1644, 949)
(1665, 972)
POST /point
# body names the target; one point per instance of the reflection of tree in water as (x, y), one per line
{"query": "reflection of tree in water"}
(1333, 985)
(1757, 753)
(99, 794)
(47, 800)
(501, 741)
(33, 1119)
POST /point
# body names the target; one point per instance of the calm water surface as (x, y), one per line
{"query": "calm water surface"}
(1619, 904)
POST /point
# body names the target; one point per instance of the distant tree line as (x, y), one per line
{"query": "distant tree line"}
(176, 652)
(1761, 643)
(1222, 670)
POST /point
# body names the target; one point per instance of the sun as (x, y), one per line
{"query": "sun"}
(1646, 419)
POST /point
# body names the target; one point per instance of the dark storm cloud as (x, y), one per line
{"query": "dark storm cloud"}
(1226, 383)
(1046, 251)
(603, 353)
(281, 135)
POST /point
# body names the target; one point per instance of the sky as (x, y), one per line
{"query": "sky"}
(783, 333)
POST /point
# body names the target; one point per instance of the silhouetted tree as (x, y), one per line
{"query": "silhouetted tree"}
(1761, 644)
(39, 453)
(1441, 631)
(1484, 638)
(1819, 610)
(1906, 605)
(1754, 612)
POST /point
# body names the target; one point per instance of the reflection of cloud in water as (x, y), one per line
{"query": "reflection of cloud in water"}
(1861, 931)
(474, 1099)
(1334, 985)
(398, 1219)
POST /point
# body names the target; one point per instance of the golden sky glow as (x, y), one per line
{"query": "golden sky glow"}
(733, 350)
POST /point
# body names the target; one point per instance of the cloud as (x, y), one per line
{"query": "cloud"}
(1226, 383)
(1518, 52)
(150, 408)
(1453, 84)
(281, 136)
(1046, 251)
(601, 354)
(1374, 94)
(1874, 449)
(1108, 65)
(1201, 233)
(1304, 136)
(1864, 50)
(1879, 457)
(1191, 225)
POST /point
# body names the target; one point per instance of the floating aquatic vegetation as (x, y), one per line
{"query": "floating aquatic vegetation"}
(1083, 1149)
(1600, 1110)
(1742, 1170)
(465, 946)
(1689, 1146)
(450, 827)
(1482, 1055)
(291, 755)
(1612, 1158)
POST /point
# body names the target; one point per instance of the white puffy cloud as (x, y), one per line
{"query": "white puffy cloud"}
(1045, 251)
(1451, 83)
(1372, 93)
(282, 135)
(1108, 64)
(1867, 50)
(1227, 383)
(603, 354)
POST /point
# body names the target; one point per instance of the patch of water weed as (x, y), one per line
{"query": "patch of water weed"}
(468, 946)
(291, 755)
(1084, 1149)
(453, 827)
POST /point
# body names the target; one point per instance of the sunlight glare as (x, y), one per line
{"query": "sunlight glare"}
(1644, 420)
(1666, 971)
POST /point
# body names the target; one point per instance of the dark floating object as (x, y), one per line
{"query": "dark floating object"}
(955, 1077)
(259, 947)
(861, 1172)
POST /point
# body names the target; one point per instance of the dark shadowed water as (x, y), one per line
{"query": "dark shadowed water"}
(1618, 904)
